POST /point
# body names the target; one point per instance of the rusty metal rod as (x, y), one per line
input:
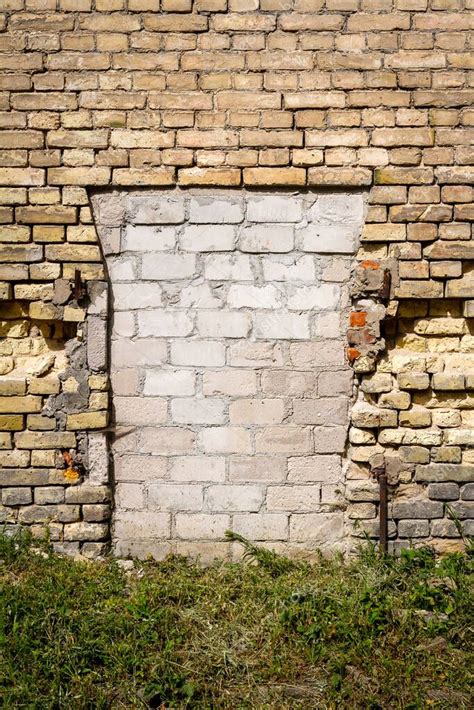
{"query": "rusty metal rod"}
(383, 512)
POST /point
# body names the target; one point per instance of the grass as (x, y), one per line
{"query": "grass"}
(370, 632)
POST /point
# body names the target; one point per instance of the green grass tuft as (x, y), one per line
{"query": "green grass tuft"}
(371, 632)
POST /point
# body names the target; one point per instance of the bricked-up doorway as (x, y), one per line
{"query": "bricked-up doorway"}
(231, 392)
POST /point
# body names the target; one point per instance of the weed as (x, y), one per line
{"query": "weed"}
(371, 632)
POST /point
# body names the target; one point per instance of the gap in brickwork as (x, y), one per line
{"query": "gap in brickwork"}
(231, 392)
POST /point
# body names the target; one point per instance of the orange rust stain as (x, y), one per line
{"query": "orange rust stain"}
(369, 264)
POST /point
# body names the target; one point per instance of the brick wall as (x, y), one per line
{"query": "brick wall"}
(272, 94)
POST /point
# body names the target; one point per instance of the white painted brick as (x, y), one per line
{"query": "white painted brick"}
(330, 440)
(305, 469)
(230, 382)
(166, 440)
(261, 526)
(200, 353)
(129, 496)
(163, 323)
(231, 498)
(328, 238)
(256, 411)
(125, 381)
(225, 440)
(264, 469)
(325, 530)
(139, 468)
(197, 468)
(247, 296)
(141, 526)
(155, 209)
(170, 382)
(333, 383)
(140, 410)
(323, 411)
(289, 383)
(139, 352)
(247, 354)
(294, 498)
(288, 268)
(197, 411)
(282, 325)
(323, 354)
(216, 210)
(307, 298)
(223, 324)
(168, 267)
(180, 315)
(131, 296)
(328, 325)
(274, 208)
(267, 239)
(166, 496)
(208, 237)
(123, 325)
(228, 267)
(144, 238)
(201, 526)
(198, 296)
(284, 440)
(122, 268)
(341, 208)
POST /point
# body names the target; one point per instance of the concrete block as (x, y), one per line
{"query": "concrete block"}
(198, 353)
(137, 467)
(234, 498)
(208, 237)
(145, 238)
(166, 441)
(307, 469)
(155, 209)
(228, 267)
(168, 267)
(225, 440)
(169, 382)
(197, 468)
(197, 411)
(261, 526)
(215, 210)
(141, 352)
(164, 323)
(255, 297)
(281, 326)
(267, 239)
(144, 411)
(223, 324)
(166, 496)
(274, 208)
(201, 526)
(264, 469)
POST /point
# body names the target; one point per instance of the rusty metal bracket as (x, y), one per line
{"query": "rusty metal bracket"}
(77, 287)
(384, 291)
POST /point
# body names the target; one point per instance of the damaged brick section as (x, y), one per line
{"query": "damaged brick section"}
(50, 389)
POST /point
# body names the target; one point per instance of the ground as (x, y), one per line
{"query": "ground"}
(369, 632)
